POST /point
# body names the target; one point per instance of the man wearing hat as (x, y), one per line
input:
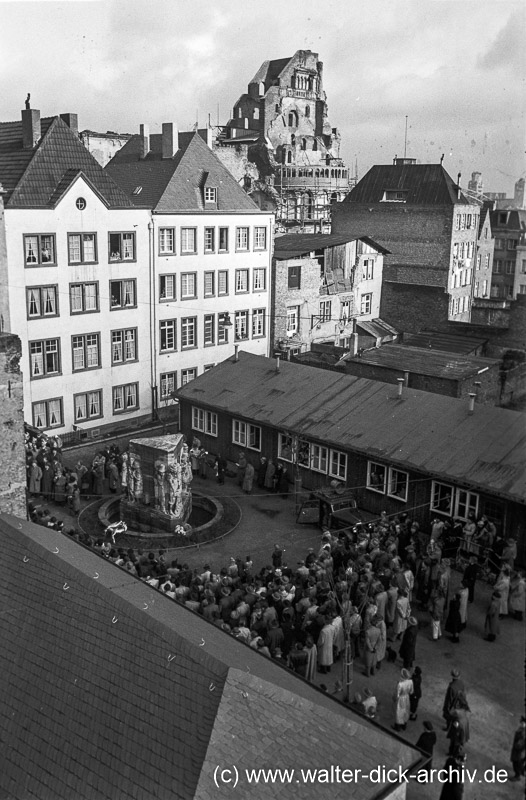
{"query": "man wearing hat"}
(408, 647)
(454, 694)
(372, 638)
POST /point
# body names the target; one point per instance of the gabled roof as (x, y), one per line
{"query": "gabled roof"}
(269, 71)
(292, 245)
(515, 220)
(111, 690)
(425, 184)
(175, 184)
(32, 176)
(426, 432)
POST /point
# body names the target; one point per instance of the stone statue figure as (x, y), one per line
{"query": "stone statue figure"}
(135, 480)
(159, 486)
(124, 472)
(186, 468)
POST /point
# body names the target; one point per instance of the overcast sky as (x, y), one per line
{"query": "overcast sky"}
(456, 68)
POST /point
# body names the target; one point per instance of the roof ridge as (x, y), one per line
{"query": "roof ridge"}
(29, 167)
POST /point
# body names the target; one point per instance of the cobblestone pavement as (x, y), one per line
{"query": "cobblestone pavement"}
(493, 672)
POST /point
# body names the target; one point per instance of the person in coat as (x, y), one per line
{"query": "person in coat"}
(372, 638)
(382, 641)
(417, 693)
(518, 751)
(403, 692)
(453, 621)
(75, 500)
(426, 742)
(453, 789)
(248, 478)
(112, 472)
(455, 693)
(325, 647)
(241, 467)
(35, 476)
(220, 468)
(262, 470)
(203, 463)
(60, 489)
(516, 597)
(408, 647)
(470, 576)
(269, 476)
(437, 606)
(492, 623)
(402, 613)
(502, 585)
(46, 483)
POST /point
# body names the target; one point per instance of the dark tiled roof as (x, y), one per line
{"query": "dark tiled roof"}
(425, 184)
(515, 220)
(171, 185)
(269, 71)
(31, 176)
(421, 431)
(292, 245)
(450, 366)
(111, 690)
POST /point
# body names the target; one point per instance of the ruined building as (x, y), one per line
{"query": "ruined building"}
(281, 125)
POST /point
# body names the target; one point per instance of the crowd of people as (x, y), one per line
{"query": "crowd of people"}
(357, 596)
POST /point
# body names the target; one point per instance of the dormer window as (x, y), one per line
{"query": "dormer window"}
(210, 194)
(394, 196)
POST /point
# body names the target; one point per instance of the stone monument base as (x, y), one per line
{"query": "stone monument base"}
(147, 518)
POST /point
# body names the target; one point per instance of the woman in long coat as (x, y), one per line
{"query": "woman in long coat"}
(325, 647)
(402, 614)
(46, 484)
(408, 647)
(382, 641)
(492, 624)
(269, 476)
(502, 585)
(404, 690)
(248, 478)
(35, 476)
(312, 661)
(453, 621)
(60, 489)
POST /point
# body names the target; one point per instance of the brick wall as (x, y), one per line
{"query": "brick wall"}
(12, 449)
(411, 308)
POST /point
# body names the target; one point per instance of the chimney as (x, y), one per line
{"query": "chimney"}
(31, 132)
(170, 140)
(236, 352)
(72, 121)
(400, 386)
(144, 133)
(471, 409)
(458, 185)
(277, 363)
(353, 344)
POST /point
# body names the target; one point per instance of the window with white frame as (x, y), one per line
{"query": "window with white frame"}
(87, 405)
(188, 332)
(242, 239)
(125, 398)
(123, 294)
(167, 335)
(167, 287)
(44, 358)
(209, 329)
(188, 285)
(86, 351)
(123, 346)
(222, 329)
(325, 310)
(121, 246)
(48, 414)
(241, 281)
(82, 248)
(210, 194)
(376, 477)
(285, 447)
(188, 240)
(338, 465)
(368, 269)
(42, 301)
(210, 234)
(366, 302)
(188, 375)
(222, 282)
(319, 458)
(246, 434)
(442, 498)
(260, 238)
(258, 322)
(223, 240)
(259, 279)
(465, 503)
(166, 241)
(241, 325)
(83, 297)
(398, 484)
(204, 421)
(209, 284)
(39, 249)
(293, 316)
(167, 385)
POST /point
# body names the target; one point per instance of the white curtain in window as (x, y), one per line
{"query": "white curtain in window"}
(90, 294)
(55, 417)
(129, 293)
(127, 246)
(92, 350)
(131, 395)
(37, 358)
(89, 247)
(118, 398)
(78, 352)
(80, 407)
(49, 300)
(31, 249)
(74, 249)
(129, 344)
(94, 404)
(39, 415)
(34, 302)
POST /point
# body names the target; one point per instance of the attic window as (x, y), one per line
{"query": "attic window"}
(210, 194)
(137, 190)
(391, 196)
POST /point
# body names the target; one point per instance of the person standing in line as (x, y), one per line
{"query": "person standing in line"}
(455, 690)
(414, 699)
(492, 622)
(248, 478)
(502, 585)
(463, 594)
(453, 623)
(470, 577)
(453, 789)
(269, 476)
(241, 467)
(407, 650)
(404, 690)
(438, 604)
(426, 742)
(262, 470)
(372, 637)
